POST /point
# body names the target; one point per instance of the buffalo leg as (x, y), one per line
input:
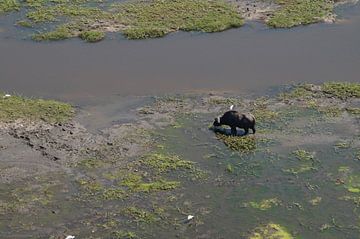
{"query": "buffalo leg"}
(246, 131)
(253, 130)
(233, 131)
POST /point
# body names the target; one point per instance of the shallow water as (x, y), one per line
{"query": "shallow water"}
(251, 58)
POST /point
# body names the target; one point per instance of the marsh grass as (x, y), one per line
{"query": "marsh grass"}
(135, 19)
(342, 90)
(51, 111)
(300, 12)
(270, 231)
(157, 18)
(92, 36)
(264, 204)
(9, 5)
(244, 144)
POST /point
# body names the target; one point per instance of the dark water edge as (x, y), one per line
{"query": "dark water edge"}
(249, 59)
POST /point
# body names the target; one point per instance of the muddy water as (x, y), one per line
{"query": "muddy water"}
(246, 59)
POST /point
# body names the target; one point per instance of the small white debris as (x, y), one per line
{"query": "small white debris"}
(6, 96)
(190, 217)
(70, 237)
(231, 107)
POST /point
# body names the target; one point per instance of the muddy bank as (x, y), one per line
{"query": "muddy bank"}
(143, 179)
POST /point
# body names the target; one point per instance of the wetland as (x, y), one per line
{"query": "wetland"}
(108, 133)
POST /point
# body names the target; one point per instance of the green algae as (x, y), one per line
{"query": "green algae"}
(140, 215)
(264, 204)
(135, 183)
(300, 12)
(270, 231)
(166, 162)
(307, 162)
(16, 107)
(240, 144)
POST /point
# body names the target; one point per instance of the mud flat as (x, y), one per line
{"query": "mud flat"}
(143, 179)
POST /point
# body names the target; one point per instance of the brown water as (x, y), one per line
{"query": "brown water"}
(252, 58)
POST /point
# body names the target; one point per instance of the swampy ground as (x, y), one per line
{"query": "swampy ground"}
(49, 20)
(297, 177)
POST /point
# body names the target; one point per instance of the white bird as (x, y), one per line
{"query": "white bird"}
(231, 107)
(70, 237)
(190, 217)
(6, 96)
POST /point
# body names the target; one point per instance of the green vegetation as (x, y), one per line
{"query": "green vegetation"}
(135, 183)
(264, 204)
(92, 36)
(123, 235)
(135, 19)
(60, 33)
(241, 144)
(271, 231)
(166, 162)
(307, 162)
(140, 215)
(9, 5)
(315, 201)
(342, 90)
(300, 12)
(90, 163)
(303, 155)
(24, 24)
(16, 107)
(113, 194)
(157, 18)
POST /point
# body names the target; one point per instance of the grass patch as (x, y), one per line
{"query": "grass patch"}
(135, 183)
(16, 107)
(92, 36)
(139, 215)
(307, 162)
(90, 163)
(60, 33)
(342, 90)
(165, 162)
(271, 231)
(241, 144)
(157, 18)
(303, 155)
(9, 6)
(123, 235)
(264, 204)
(300, 12)
(24, 24)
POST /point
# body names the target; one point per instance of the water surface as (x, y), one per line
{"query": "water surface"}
(251, 58)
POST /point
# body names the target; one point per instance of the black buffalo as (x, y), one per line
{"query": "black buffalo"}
(235, 120)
